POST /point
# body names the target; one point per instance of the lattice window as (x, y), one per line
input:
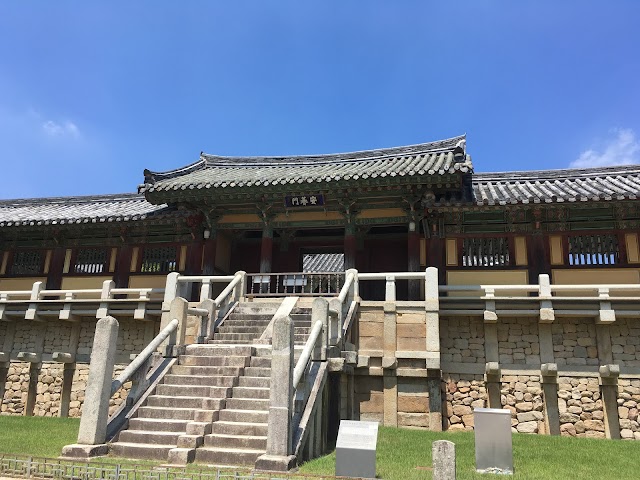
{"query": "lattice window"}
(485, 252)
(600, 249)
(27, 263)
(159, 260)
(91, 260)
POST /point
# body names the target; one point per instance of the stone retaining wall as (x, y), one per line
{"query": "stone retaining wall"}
(522, 396)
(628, 401)
(55, 336)
(462, 340)
(580, 407)
(463, 394)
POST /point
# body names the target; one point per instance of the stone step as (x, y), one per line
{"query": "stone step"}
(215, 350)
(253, 416)
(158, 425)
(227, 456)
(254, 382)
(236, 441)
(230, 361)
(240, 329)
(239, 428)
(257, 371)
(149, 437)
(167, 413)
(260, 362)
(258, 317)
(250, 392)
(218, 381)
(236, 336)
(193, 391)
(205, 370)
(186, 402)
(247, 404)
(231, 342)
(144, 451)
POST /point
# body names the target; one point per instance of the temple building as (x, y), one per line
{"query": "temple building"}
(240, 299)
(396, 209)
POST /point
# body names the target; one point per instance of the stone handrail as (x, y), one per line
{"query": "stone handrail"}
(305, 356)
(178, 286)
(142, 358)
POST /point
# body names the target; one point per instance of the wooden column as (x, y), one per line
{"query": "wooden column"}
(209, 254)
(413, 260)
(123, 266)
(538, 256)
(266, 249)
(350, 246)
(194, 263)
(54, 277)
(435, 257)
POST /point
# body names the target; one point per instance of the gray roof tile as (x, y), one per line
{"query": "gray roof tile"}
(211, 171)
(551, 186)
(74, 210)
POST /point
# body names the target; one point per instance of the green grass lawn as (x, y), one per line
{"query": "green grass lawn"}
(402, 454)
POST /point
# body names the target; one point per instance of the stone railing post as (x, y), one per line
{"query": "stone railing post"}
(280, 435)
(105, 296)
(320, 312)
(432, 320)
(547, 315)
(32, 310)
(95, 411)
(178, 310)
(241, 288)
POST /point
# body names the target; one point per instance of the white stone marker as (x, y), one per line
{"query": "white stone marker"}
(443, 457)
(356, 449)
(494, 451)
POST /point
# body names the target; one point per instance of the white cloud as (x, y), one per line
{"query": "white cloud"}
(67, 128)
(621, 149)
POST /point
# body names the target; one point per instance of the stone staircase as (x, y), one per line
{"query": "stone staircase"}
(216, 396)
(249, 320)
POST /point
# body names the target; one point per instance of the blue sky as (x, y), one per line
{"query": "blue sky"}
(92, 93)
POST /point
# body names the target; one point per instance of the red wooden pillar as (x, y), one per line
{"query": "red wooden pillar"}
(538, 256)
(266, 249)
(123, 266)
(350, 247)
(413, 261)
(435, 257)
(56, 265)
(209, 254)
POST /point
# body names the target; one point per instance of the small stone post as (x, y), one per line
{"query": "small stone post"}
(443, 456)
(178, 310)
(95, 411)
(280, 435)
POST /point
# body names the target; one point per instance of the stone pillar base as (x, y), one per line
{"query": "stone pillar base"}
(77, 450)
(276, 463)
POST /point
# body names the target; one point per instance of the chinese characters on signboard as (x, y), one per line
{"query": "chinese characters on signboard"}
(313, 200)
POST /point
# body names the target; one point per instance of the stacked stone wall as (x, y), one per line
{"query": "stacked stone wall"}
(57, 336)
(518, 341)
(462, 340)
(580, 407)
(522, 396)
(574, 342)
(628, 408)
(16, 388)
(463, 393)
(625, 342)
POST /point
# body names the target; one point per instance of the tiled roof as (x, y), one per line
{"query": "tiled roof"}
(435, 158)
(74, 210)
(557, 186)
